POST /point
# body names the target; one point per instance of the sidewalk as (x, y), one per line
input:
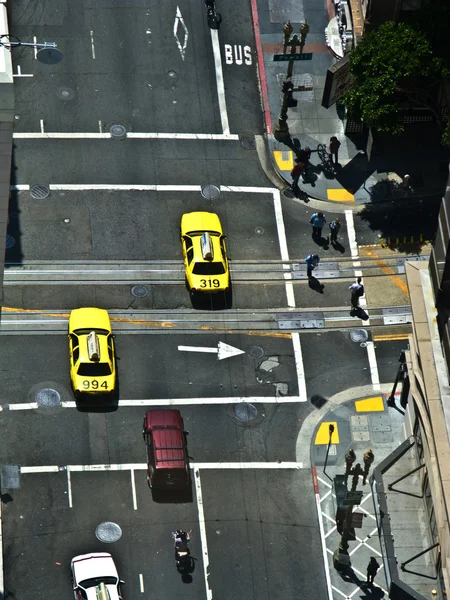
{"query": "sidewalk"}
(361, 424)
(357, 179)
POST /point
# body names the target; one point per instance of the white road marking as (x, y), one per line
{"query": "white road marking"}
(179, 20)
(219, 80)
(2, 581)
(299, 366)
(283, 245)
(363, 303)
(202, 527)
(42, 125)
(20, 74)
(92, 45)
(324, 546)
(133, 489)
(223, 350)
(35, 47)
(130, 135)
(141, 582)
(69, 488)
(248, 465)
(100, 126)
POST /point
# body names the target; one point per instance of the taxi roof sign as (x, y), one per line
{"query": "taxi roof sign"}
(207, 247)
(93, 346)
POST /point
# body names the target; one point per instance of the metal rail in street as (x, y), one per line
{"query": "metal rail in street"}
(276, 322)
(171, 272)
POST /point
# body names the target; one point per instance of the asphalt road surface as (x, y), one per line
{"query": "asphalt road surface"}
(150, 115)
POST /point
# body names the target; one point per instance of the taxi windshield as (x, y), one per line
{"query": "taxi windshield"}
(100, 369)
(208, 268)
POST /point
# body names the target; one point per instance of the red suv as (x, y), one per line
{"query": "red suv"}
(165, 437)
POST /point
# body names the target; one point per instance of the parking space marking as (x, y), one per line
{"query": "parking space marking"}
(133, 489)
(69, 489)
(202, 527)
(141, 582)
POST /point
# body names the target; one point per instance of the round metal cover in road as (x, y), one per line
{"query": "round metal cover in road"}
(359, 335)
(244, 411)
(210, 192)
(108, 532)
(40, 192)
(48, 397)
(139, 291)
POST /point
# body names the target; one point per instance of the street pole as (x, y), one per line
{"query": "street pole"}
(331, 430)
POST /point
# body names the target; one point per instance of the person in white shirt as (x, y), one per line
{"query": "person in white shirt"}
(357, 290)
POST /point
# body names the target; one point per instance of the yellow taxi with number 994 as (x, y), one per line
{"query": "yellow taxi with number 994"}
(204, 253)
(91, 352)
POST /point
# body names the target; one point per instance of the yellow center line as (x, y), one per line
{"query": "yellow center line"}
(390, 337)
(388, 271)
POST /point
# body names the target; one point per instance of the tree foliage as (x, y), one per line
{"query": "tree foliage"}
(392, 65)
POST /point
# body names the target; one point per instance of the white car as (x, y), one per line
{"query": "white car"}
(95, 577)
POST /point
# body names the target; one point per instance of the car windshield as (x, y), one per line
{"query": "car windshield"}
(208, 268)
(88, 331)
(94, 369)
(94, 581)
(194, 233)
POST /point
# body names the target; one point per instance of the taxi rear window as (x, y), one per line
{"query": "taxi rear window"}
(208, 268)
(94, 369)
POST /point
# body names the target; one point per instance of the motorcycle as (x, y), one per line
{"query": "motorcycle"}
(182, 553)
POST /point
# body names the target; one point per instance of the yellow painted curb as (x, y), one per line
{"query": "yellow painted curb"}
(284, 159)
(393, 337)
(374, 404)
(323, 434)
(340, 195)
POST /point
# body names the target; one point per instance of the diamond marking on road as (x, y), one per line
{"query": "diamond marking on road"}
(179, 21)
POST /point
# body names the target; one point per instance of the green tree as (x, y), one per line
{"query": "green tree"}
(392, 65)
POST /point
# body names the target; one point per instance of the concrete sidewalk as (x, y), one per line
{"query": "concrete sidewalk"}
(357, 179)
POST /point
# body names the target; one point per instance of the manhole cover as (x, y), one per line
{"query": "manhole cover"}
(39, 192)
(245, 411)
(359, 335)
(48, 397)
(10, 241)
(210, 192)
(255, 352)
(139, 291)
(248, 143)
(117, 131)
(65, 93)
(259, 230)
(108, 532)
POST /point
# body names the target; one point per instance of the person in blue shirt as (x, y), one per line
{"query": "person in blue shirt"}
(317, 221)
(312, 260)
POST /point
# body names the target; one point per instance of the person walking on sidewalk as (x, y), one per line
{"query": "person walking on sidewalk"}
(312, 260)
(335, 226)
(317, 221)
(357, 290)
(333, 149)
(372, 570)
(297, 171)
(369, 457)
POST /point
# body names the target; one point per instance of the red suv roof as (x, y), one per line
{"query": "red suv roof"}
(167, 429)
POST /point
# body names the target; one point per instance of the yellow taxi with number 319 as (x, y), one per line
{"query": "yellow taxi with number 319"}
(204, 253)
(91, 352)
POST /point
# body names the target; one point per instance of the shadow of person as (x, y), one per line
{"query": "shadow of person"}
(359, 313)
(323, 242)
(315, 285)
(371, 592)
(338, 246)
(187, 570)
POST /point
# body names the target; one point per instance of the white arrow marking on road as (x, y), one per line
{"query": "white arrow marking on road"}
(178, 20)
(222, 350)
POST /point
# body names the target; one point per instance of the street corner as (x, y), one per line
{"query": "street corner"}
(360, 424)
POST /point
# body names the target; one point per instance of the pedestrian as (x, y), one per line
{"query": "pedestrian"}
(350, 458)
(304, 155)
(299, 169)
(317, 221)
(335, 226)
(312, 260)
(333, 149)
(369, 457)
(357, 290)
(372, 569)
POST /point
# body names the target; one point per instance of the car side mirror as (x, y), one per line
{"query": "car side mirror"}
(121, 581)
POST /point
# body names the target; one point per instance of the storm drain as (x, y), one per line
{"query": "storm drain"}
(139, 291)
(359, 335)
(248, 143)
(117, 131)
(245, 412)
(108, 532)
(210, 192)
(39, 192)
(255, 352)
(48, 397)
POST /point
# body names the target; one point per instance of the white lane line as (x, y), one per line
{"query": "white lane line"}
(133, 489)
(69, 488)
(219, 80)
(174, 402)
(100, 126)
(363, 302)
(106, 468)
(143, 187)
(324, 546)
(132, 135)
(35, 47)
(299, 366)
(92, 45)
(42, 125)
(202, 527)
(141, 582)
(20, 74)
(283, 245)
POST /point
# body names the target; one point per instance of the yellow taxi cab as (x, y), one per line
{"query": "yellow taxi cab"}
(91, 352)
(204, 253)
